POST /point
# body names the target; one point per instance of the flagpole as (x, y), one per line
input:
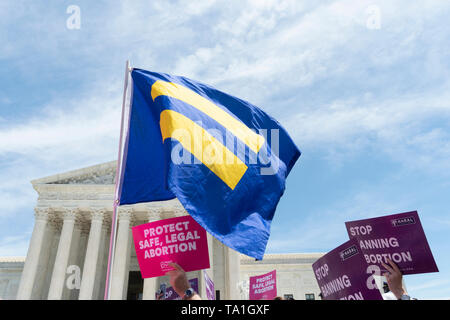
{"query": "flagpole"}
(112, 240)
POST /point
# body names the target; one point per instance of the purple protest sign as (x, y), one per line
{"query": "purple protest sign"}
(172, 295)
(209, 284)
(399, 237)
(341, 275)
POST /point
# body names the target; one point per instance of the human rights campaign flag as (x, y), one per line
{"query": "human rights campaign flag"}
(223, 158)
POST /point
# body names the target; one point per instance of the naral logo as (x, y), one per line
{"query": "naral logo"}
(349, 252)
(403, 221)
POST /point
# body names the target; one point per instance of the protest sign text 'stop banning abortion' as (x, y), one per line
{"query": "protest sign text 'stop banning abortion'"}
(398, 237)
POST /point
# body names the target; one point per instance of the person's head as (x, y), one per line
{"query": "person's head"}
(278, 298)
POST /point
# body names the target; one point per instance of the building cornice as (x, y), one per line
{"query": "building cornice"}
(282, 258)
(12, 259)
(87, 172)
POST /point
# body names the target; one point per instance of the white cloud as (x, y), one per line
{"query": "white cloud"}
(13, 246)
(323, 229)
(13, 200)
(429, 285)
(409, 129)
(67, 133)
(66, 127)
(255, 50)
(272, 53)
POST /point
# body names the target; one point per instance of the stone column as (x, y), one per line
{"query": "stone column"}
(92, 255)
(56, 226)
(100, 278)
(210, 271)
(72, 278)
(62, 255)
(34, 251)
(232, 270)
(122, 255)
(40, 287)
(151, 284)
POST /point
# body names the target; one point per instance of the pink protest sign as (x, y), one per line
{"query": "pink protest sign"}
(181, 240)
(342, 274)
(399, 237)
(263, 287)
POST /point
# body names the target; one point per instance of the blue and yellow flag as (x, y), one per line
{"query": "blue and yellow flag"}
(223, 158)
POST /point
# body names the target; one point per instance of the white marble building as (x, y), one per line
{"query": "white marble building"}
(68, 252)
(10, 272)
(295, 277)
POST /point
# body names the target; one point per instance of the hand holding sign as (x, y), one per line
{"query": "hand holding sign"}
(394, 279)
(171, 294)
(178, 279)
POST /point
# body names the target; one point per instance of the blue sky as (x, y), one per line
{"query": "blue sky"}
(363, 88)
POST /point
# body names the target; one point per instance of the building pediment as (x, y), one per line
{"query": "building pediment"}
(101, 174)
(87, 187)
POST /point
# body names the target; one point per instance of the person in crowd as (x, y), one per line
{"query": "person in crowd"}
(180, 283)
(160, 296)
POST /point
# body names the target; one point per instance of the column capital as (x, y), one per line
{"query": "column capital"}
(97, 214)
(55, 224)
(41, 213)
(106, 225)
(84, 227)
(153, 213)
(69, 213)
(179, 212)
(107, 220)
(125, 213)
